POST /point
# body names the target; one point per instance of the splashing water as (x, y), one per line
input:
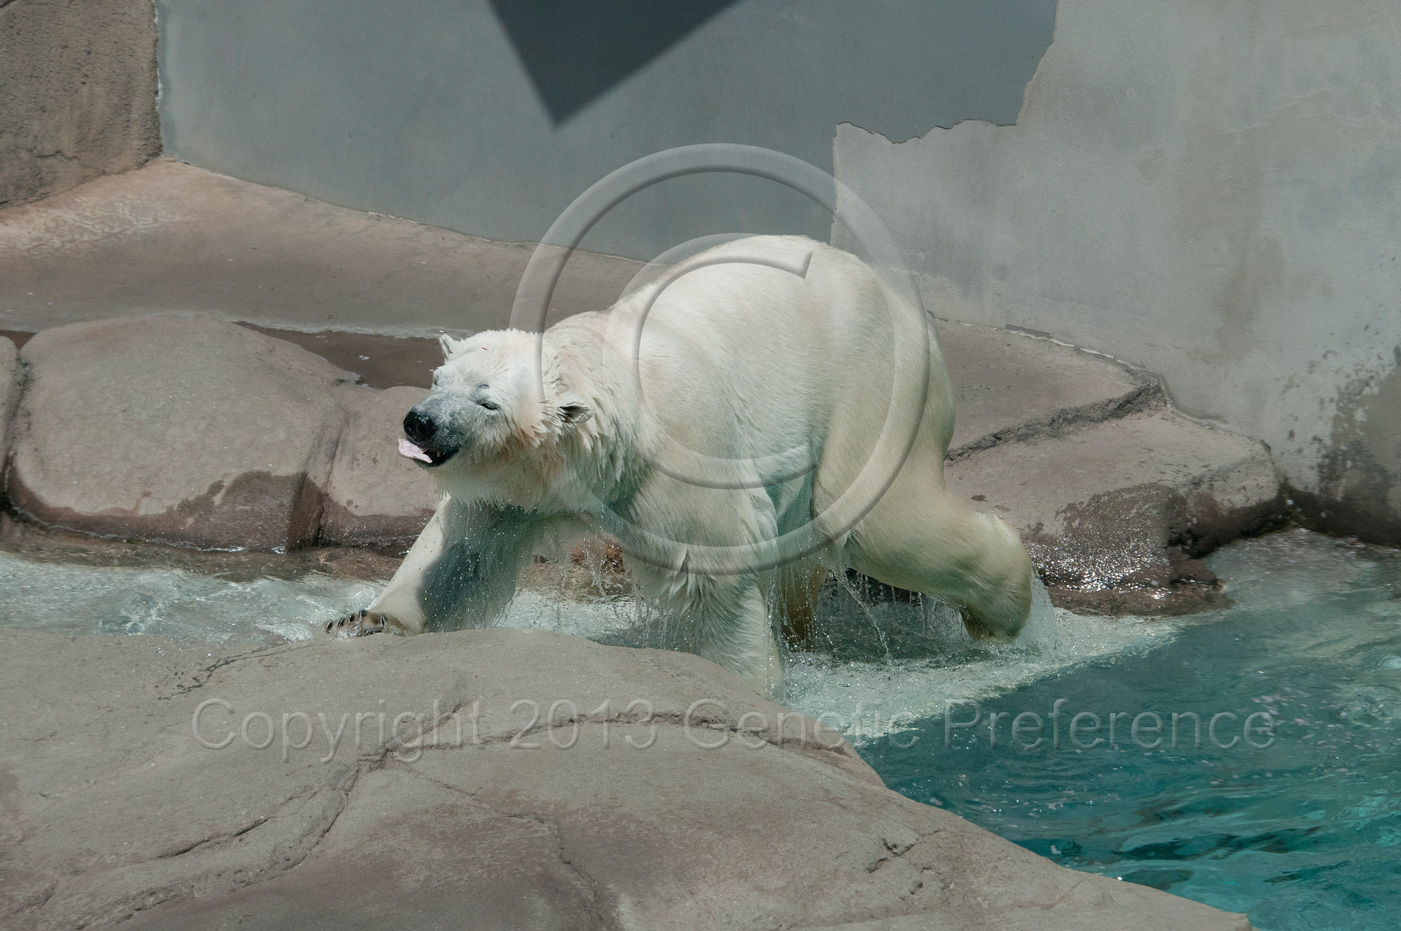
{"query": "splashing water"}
(884, 659)
(1040, 633)
(171, 603)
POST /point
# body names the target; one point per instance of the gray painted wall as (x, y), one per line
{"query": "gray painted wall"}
(1209, 190)
(451, 113)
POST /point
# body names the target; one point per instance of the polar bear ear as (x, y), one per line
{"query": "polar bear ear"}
(573, 411)
(448, 345)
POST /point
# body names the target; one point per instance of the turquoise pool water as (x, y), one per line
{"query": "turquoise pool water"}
(1301, 830)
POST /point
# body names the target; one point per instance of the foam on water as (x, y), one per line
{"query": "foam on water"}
(883, 663)
(184, 605)
(869, 700)
(181, 605)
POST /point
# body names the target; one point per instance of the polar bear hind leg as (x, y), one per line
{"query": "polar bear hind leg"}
(917, 538)
(799, 586)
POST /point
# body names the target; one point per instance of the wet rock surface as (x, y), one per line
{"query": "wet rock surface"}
(375, 495)
(1114, 514)
(181, 430)
(10, 384)
(574, 809)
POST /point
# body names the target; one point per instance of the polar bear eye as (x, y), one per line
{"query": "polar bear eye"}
(482, 400)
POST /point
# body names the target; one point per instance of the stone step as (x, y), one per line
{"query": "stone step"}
(180, 430)
(376, 497)
(200, 433)
(1113, 512)
(1010, 386)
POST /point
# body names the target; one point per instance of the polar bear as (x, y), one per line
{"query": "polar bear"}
(755, 416)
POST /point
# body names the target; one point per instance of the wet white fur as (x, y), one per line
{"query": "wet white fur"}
(741, 372)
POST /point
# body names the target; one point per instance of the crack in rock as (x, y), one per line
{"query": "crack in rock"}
(212, 839)
(202, 675)
(1148, 396)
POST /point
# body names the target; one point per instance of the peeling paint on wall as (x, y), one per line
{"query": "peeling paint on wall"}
(1209, 191)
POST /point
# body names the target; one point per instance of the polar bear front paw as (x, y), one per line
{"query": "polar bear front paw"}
(360, 623)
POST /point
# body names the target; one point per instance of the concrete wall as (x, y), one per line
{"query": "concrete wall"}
(1209, 190)
(490, 117)
(77, 92)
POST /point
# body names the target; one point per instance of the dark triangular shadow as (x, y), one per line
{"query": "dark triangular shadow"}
(576, 50)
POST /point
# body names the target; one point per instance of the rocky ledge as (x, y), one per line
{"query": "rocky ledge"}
(261, 444)
(202, 433)
(484, 779)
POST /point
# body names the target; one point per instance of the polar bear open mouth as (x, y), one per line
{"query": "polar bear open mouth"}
(427, 456)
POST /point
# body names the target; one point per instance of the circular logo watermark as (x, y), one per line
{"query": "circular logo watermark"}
(911, 338)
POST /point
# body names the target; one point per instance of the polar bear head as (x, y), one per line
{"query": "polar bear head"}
(496, 403)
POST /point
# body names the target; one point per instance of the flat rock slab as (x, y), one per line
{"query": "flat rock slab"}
(1125, 503)
(1009, 386)
(375, 495)
(176, 239)
(179, 430)
(533, 781)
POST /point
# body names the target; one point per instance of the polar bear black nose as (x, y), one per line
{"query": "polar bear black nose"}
(418, 426)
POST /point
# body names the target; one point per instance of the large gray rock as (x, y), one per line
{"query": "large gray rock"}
(182, 430)
(10, 373)
(587, 814)
(1117, 510)
(376, 496)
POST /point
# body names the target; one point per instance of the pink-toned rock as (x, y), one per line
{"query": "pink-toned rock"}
(504, 781)
(183, 430)
(375, 495)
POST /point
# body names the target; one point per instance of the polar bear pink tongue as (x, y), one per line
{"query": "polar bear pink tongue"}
(413, 452)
